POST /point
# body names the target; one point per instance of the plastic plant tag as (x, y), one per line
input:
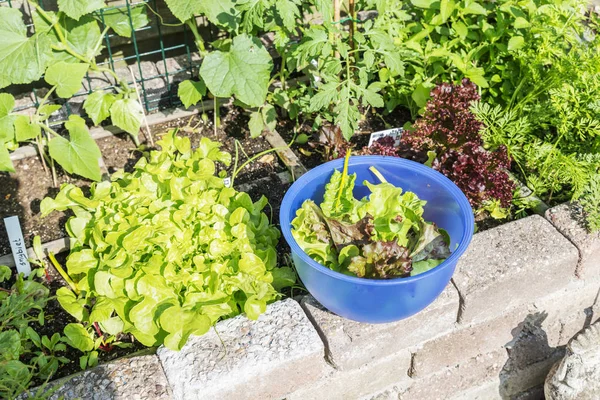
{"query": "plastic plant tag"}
(395, 133)
(227, 182)
(17, 244)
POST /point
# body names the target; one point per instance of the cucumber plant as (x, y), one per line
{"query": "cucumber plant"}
(63, 49)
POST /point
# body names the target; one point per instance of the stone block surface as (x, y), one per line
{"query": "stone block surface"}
(452, 381)
(467, 342)
(135, 378)
(568, 219)
(262, 359)
(512, 265)
(569, 310)
(350, 344)
(360, 382)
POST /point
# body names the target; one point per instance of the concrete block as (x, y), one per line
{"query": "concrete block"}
(511, 265)
(467, 342)
(452, 381)
(135, 378)
(357, 383)
(350, 344)
(263, 359)
(568, 219)
(568, 310)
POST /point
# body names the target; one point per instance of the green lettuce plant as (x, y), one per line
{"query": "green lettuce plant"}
(381, 236)
(167, 250)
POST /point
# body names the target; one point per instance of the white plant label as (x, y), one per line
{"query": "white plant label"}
(395, 133)
(17, 244)
(227, 182)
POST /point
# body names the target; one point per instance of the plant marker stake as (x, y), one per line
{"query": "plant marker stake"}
(17, 244)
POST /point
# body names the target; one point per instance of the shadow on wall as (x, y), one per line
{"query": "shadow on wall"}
(530, 357)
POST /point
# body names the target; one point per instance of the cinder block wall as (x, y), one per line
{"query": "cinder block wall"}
(520, 293)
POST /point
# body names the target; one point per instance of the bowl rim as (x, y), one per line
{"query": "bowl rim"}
(299, 184)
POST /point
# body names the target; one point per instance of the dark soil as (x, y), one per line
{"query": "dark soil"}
(21, 193)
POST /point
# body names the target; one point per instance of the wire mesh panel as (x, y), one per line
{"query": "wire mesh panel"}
(155, 50)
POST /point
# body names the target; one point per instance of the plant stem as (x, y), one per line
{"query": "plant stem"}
(216, 116)
(351, 10)
(258, 155)
(336, 18)
(148, 132)
(46, 97)
(344, 176)
(191, 23)
(62, 272)
(378, 174)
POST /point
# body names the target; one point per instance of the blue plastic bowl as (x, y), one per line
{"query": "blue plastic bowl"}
(371, 300)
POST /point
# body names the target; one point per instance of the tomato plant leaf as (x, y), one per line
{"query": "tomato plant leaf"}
(66, 77)
(243, 71)
(78, 155)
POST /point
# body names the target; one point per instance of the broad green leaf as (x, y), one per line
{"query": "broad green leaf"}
(10, 345)
(461, 29)
(5, 162)
(118, 19)
(221, 13)
(423, 266)
(185, 10)
(347, 117)
(102, 310)
(71, 304)
(97, 106)
(78, 155)
(191, 92)
(47, 110)
(515, 43)
(81, 262)
(521, 23)
(474, 8)
(256, 124)
(254, 307)
(446, 9)
(78, 337)
(283, 277)
(243, 71)
(7, 127)
(22, 59)
(25, 130)
(5, 273)
(66, 77)
(477, 78)
(422, 3)
(82, 36)
(127, 114)
(420, 95)
(77, 8)
(269, 117)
